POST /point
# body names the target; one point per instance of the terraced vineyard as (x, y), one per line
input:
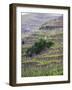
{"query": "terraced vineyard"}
(49, 61)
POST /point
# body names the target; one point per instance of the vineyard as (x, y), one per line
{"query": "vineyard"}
(50, 60)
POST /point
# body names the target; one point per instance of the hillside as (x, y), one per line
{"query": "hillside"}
(55, 23)
(50, 60)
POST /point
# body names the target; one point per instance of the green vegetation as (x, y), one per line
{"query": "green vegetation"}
(42, 54)
(39, 71)
(38, 47)
(45, 62)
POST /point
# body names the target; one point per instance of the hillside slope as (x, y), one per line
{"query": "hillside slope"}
(50, 60)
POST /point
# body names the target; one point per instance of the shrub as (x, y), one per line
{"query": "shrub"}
(38, 47)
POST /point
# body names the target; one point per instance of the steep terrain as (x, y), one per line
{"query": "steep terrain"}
(50, 60)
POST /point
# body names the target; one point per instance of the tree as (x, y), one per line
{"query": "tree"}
(38, 47)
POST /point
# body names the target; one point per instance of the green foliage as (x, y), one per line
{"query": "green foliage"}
(49, 44)
(38, 47)
(30, 72)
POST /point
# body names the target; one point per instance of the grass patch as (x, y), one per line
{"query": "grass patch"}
(46, 62)
(30, 72)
